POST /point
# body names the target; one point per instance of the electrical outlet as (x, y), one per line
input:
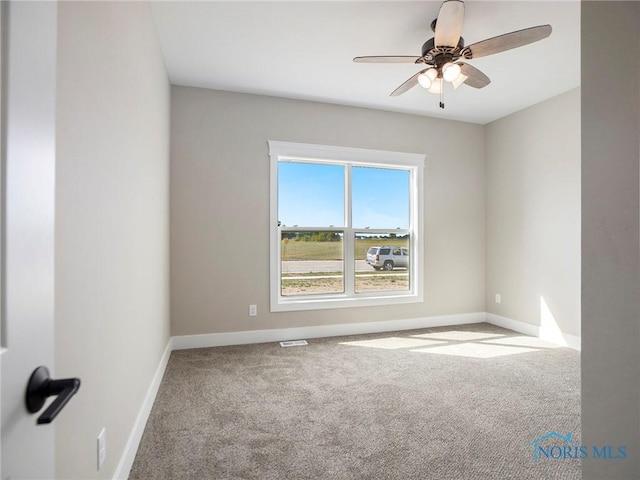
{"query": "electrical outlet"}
(253, 310)
(498, 298)
(102, 447)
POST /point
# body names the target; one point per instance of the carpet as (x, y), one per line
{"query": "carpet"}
(464, 402)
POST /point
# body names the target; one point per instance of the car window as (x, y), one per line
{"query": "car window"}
(385, 251)
(397, 251)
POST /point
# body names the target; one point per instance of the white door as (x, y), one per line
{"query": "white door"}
(28, 157)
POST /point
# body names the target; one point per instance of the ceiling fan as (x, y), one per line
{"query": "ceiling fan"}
(442, 54)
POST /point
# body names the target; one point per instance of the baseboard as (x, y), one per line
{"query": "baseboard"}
(320, 331)
(568, 340)
(130, 450)
(511, 324)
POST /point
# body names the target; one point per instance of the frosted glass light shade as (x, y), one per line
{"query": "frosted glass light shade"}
(451, 71)
(436, 86)
(426, 78)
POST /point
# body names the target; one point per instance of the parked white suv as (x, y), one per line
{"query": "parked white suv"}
(388, 257)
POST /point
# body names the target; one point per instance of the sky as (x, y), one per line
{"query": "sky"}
(313, 195)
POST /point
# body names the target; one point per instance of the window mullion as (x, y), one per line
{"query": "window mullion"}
(349, 245)
(415, 206)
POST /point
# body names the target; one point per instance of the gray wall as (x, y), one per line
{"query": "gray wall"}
(112, 317)
(220, 206)
(610, 224)
(533, 214)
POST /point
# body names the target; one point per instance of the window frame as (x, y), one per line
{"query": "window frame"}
(324, 154)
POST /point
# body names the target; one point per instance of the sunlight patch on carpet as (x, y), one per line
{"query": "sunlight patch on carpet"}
(392, 343)
(475, 350)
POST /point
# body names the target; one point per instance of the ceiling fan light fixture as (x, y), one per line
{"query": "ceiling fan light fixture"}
(451, 71)
(459, 81)
(436, 86)
(424, 80)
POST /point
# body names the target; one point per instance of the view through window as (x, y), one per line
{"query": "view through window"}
(345, 229)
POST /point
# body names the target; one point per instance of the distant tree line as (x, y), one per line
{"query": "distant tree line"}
(312, 236)
(383, 237)
(332, 236)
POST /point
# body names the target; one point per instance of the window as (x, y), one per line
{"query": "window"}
(346, 227)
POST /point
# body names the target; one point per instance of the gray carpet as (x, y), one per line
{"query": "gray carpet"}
(418, 404)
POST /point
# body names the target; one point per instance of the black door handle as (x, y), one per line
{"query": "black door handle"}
(41, 386)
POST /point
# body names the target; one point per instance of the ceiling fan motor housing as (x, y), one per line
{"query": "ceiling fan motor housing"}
(429, 47)
(439, 56)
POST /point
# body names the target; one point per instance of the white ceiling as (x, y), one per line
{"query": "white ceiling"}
(304, 50)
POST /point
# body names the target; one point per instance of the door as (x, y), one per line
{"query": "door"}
(28, 157)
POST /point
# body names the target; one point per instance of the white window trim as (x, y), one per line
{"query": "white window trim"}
(355, 156)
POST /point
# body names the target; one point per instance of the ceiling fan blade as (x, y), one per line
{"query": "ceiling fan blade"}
(449, 23)
(507, 41)
(409, 84)
(388, 59)
(475, 78)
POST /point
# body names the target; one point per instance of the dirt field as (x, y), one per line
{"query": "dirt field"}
(374, 283)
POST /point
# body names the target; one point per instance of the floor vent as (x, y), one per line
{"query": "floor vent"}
(294, 343)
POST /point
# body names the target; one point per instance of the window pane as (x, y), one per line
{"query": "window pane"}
(381, 262)
(380, 198)
(310, 195)
(312, 263)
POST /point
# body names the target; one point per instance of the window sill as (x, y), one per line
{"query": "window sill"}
(332, 302)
